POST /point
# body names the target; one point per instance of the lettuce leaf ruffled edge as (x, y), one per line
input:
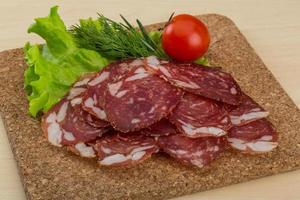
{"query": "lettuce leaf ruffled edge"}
(53, 67)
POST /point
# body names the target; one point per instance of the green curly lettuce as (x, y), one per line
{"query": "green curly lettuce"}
(56, 65)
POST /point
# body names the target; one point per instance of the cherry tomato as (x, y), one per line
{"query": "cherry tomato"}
(185, 38)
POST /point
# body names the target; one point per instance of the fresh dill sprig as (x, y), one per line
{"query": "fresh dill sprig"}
(116, 40)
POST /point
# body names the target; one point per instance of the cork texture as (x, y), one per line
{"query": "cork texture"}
(50, 172)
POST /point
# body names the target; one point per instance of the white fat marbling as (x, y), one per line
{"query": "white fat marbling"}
(114, 87)
(135, 120)
(236, 120)
(82, 82)
(105, 150)
(76, 101)
(191, 130)
(102, 77)
(138, 155)
(121, 93)
(74, 92)
(99, 112)
(62, 112)
(54, 134)
(135, 154)
(259, 145)
(190, 84)
(266, 138)
(51, 118)
(233, 90)
(84, 150)
(237, 143)
(68, 135)
(165, 71)
(136, 62)
(113, 159)
(137, 76)
(152, 61)
(197, 162)
(140, 70)
(262, 146)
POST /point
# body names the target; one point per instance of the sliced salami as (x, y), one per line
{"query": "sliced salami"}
(139, 99)
(123, 149)
(89, 118)
(205, 81)
(93, 99)
(246, 112)
(196, 151)
(255, 137)
(66, 123)
(94, 121)
(75, 126)
(197, 116)
(161, 128)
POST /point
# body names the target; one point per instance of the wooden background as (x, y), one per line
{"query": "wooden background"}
(271, 26)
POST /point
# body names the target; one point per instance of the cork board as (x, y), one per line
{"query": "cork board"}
(49, 172)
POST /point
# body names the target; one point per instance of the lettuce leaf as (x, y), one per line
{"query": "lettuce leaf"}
(56, 65)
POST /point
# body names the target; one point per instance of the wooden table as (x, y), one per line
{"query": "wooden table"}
(272, 28)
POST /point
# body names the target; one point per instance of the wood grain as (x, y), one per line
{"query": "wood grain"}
(274, 31)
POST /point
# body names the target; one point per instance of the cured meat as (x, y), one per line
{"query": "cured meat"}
(134, 108)
(195, 151)
(255, 137)
(139, 99)
(246, 112)
(161, 128)
(75, 126)
(67, 124)
(123, 149)
(93, 99)
(205, 81)
(197, 116)
(82, 150)
(89, 118)
(95, 122)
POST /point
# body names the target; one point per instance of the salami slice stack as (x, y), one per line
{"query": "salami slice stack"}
(135, 108)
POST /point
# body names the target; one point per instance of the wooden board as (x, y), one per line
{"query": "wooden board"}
(49, 172)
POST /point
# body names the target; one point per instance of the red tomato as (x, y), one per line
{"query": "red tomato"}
(185, 38)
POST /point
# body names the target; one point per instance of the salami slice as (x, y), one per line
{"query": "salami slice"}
(255, 137)
(75, 126)
(196, 151)
(66, 123)
(120, 149)
(161, 128)
(205, 81)
(139, 99)
(94, 121)
(247, 112)
(93, 99)
(197, 116)
(89, 118)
